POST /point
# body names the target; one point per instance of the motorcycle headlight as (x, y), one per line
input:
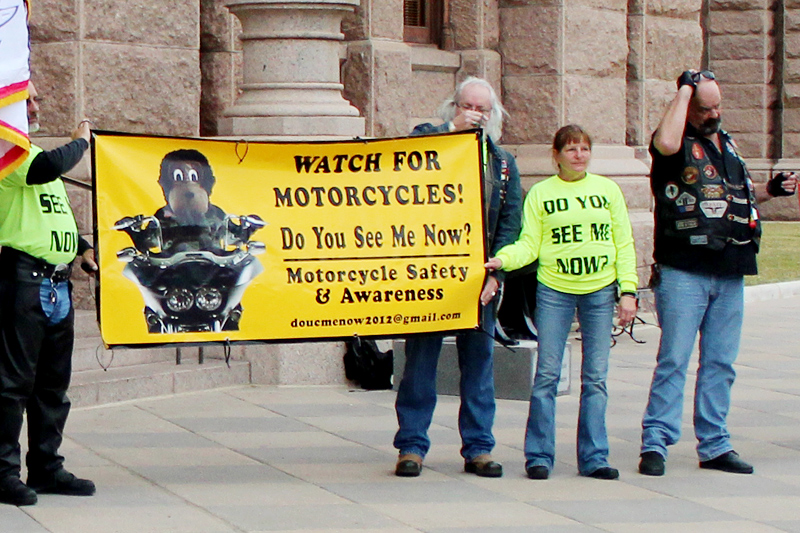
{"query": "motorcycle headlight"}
(179, 300)
(209, 299)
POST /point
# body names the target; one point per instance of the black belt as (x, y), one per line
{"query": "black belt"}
(38, 268)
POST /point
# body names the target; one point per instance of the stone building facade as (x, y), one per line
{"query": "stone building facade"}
(179, 67)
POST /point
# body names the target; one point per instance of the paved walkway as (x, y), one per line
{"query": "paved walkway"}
(311, 459)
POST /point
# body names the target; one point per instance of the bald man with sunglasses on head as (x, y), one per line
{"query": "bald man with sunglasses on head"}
(707, 234)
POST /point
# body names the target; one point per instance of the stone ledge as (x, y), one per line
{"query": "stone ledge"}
(90, 354)
(97, 387)
(771, 291)
(514, 369)
(427, 58)
(292, 127)
(607, 160)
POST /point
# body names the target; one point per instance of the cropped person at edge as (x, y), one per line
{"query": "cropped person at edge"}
(36, 316)
(576, 224)
(474, 104)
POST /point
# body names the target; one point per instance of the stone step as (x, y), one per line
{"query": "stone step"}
(90, 354)
(101, 376)
(117, 384)
(86, 323)
(514, 369)
(626, 165)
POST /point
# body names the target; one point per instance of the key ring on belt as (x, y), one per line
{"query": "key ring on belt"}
(60, 273)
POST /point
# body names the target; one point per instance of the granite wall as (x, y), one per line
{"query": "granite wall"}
(130, 66)
(752, 46)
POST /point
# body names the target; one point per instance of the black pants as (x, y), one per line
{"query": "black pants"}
(35, 369)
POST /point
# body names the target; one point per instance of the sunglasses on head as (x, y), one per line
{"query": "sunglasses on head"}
(707, 74)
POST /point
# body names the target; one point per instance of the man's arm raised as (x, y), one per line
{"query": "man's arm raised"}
(669, 135)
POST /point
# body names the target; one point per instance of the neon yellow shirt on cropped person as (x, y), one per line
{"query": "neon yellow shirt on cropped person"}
(581, 234)
(37, 219)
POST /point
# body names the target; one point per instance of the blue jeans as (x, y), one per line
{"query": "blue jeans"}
(416, 395)
(55, 300)
(686, 303)
(554, 313)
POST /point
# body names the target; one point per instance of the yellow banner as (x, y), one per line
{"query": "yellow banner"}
(208, 240)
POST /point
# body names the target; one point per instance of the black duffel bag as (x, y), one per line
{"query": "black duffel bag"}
(365, 364)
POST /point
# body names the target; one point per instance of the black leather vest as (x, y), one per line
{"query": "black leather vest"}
(706, 206)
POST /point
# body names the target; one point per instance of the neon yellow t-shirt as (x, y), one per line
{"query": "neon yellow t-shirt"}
(581, 234)
(37, 219)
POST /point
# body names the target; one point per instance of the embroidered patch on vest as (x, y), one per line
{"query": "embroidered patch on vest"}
(737, 200)
(710, 171)
(697, 151)
(713, 191)
(714, 208)
(689, 175)
(686, 203)
(689, 223)
(671, 191)
(698, 239)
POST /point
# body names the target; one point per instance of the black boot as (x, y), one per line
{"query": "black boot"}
(14, 492)
(60, 482)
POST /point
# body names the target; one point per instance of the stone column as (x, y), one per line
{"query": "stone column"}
(790, 36)
(575, 72)
(635, 131)
(291, 70)
(664, 39)
(740, 47)
(475, 30)
(377, 71)
(786, 68)
(752, 49)
(220, 64)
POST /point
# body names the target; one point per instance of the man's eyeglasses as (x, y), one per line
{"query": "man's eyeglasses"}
(470, 107)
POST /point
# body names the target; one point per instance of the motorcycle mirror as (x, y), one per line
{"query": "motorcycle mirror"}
(256, 247)
(124, 223)
(147, 222)
(127, 255)
(255, 220)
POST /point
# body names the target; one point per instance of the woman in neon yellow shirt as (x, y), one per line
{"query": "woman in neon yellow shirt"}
(576, 224)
